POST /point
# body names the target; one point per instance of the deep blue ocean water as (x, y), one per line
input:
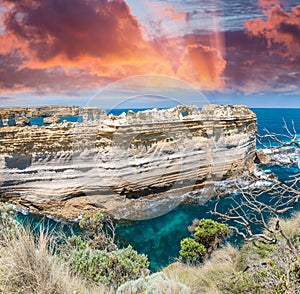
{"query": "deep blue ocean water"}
(160, 237)
(273, 119)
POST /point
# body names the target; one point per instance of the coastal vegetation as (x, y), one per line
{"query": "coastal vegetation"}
(257, 267)
(207, 236)
(34, 263)
(42, 263)
(29, 262)
(94, 255)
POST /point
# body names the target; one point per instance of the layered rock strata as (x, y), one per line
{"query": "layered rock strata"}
(113, 162)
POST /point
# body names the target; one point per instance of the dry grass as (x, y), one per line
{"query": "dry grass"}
(263, 269)
(290, 226)
(205, 278)
(29, 265)
(155, 283)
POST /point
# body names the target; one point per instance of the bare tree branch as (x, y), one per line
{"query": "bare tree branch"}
(254, 206)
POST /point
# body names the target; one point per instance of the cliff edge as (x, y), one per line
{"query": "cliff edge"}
(117, 163)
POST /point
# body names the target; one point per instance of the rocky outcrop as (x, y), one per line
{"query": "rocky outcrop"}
(278, 155)
(40, 111)
(118, 163)
(12, 116)
(261, 157)
(155, 283)
(51, 120)
(22, 121)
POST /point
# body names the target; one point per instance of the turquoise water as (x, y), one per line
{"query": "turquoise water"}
(160, 237)
(38, 121)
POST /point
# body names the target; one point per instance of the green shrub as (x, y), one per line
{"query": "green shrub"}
(191, 250)
(8, 225)
(94, 255)
(110, 268)
(77, 242)
(208, 235)
(98, 232)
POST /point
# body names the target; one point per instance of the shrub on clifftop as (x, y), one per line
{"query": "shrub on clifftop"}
(95, 256)
(191, 250)
(7, 223)
(208, 235)
(109, 268)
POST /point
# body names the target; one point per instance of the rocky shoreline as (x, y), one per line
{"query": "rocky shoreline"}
(19, 116)
(111, 163)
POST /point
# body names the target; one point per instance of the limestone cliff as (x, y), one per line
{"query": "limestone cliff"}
(115, 162)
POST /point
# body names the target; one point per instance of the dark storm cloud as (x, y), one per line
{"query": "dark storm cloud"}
(73, 28)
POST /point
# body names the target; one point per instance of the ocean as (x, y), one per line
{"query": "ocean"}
(160, 237)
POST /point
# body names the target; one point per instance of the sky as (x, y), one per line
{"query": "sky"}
(99, 52)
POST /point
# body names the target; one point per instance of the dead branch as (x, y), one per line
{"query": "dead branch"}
(253, 207)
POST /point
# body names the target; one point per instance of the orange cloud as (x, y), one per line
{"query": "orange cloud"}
(279, 28)
(56, 41)
(202, 66)
(72, 30)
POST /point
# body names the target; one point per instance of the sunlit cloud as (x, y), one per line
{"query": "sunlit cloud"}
(203, 66)
(93, 42)
(52, 47)
(281, 28)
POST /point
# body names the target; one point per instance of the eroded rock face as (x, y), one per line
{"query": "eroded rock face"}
(108, 162)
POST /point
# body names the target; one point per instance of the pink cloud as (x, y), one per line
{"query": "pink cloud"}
(202, 66)
(50, 43)
(280, 28)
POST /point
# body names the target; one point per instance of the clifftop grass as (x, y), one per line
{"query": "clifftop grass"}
(30, 264)
(255, 268)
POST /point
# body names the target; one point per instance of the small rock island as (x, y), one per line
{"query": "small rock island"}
(110, 162)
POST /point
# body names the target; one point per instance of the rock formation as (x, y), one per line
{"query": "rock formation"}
(261, 157)
(114, 163)
(22, 121)
(11, 115)
(278, 155)
(51, 120)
